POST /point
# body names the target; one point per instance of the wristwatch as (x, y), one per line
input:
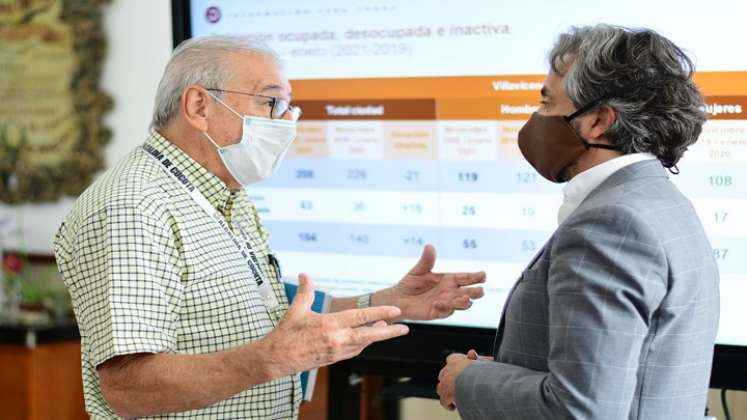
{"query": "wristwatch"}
(364, 301)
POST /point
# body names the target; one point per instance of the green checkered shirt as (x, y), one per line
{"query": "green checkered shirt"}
(149, 271)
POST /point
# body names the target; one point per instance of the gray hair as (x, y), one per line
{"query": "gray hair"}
(200, 61)
(643, 76)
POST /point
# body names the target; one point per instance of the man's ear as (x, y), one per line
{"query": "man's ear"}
(604, 117)
(194, 107)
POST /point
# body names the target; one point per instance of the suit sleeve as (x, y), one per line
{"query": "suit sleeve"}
(607, 275)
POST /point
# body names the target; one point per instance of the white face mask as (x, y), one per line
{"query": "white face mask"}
(264, 143)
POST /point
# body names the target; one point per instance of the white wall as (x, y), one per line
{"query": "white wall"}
(139, 37)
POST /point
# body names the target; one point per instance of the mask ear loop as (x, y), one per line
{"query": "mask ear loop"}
(210, 139)
(582, 111)
(223, 103)
(204, 133)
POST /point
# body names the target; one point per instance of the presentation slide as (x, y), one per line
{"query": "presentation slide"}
(411, 114)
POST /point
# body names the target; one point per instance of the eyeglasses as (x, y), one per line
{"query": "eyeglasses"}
(278, 106)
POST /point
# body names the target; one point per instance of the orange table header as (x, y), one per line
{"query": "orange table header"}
(522, 87)
(372, 109)
(726, 107)
(418, 87)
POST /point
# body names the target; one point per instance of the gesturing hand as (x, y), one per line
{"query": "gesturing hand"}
(305, 339)
(425, 295)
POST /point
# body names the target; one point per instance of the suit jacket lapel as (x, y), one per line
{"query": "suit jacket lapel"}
(501, 324)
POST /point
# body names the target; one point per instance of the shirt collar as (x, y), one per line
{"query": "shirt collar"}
(579, 187)
(209, 185)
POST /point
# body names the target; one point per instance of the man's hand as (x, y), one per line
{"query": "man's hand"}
(305, 339)
(425, 295)
(455, 364)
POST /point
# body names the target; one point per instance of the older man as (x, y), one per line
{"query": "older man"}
(175, 288)
(616, 317)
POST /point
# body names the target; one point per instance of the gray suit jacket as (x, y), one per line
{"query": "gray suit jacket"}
(615, 318)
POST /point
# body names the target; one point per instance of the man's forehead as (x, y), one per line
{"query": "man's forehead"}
(555, 81)
(272, 87)
(553, 85)
(258, 73)
(562, 64)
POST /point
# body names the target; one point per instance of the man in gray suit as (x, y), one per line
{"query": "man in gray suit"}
(616, 317)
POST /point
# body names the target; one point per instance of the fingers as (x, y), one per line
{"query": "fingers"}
(446, 378)
(359, 338)
(446, 309)
(445, 396)
(440, 387)
(461, 302)
(446, 381)
(441, 392)
(450, 357)
(475, 292)
(472, 354)
(304, 296)
(455, 356)
(468, 279)
(358, 317)
(426, 262)
(441, 310)
(363, 336)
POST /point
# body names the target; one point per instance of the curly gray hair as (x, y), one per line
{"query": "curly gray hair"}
(643, 76)
(200, 61)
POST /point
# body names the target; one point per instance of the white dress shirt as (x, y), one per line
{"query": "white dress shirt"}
(582, 184)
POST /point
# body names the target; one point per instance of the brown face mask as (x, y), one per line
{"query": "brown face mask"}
(549, 143)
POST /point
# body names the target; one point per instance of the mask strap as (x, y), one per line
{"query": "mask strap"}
(223, 103)
(588, 145)
(616, 93)
(586, 108)
(599, 146)
(210, 139)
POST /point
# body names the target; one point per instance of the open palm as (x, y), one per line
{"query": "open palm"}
(425, 295)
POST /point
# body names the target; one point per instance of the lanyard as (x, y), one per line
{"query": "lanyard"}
(243, 247)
